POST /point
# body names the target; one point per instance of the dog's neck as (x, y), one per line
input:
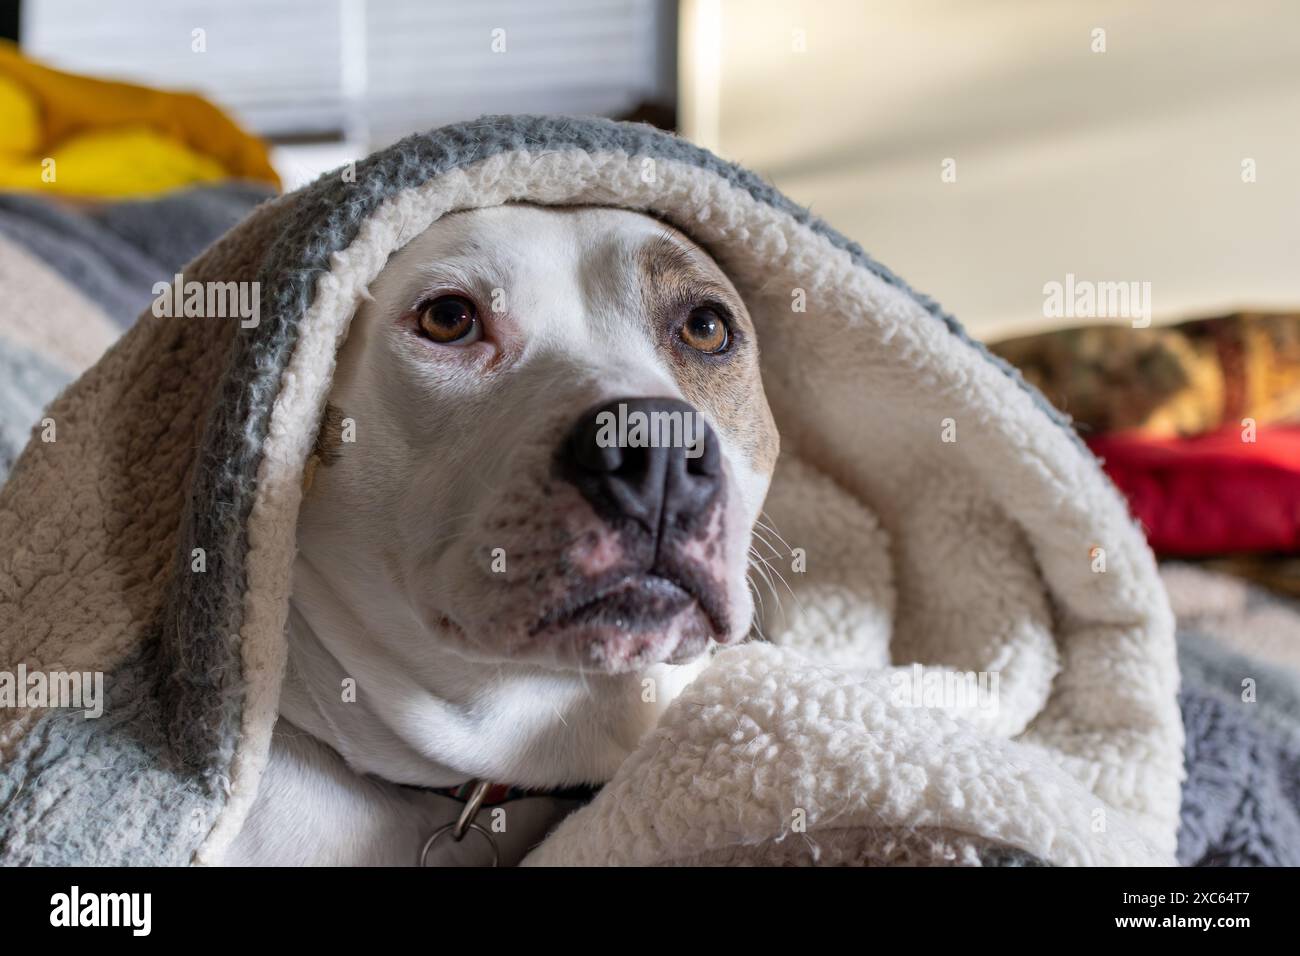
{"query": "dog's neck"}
(447, 719)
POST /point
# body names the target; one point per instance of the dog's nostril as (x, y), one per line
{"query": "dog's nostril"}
(705, 458)
(654, 460)
(590, 455)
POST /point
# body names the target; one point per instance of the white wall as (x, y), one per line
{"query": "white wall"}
(1122, 165)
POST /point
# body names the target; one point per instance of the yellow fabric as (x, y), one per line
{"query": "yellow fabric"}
(75, 135)
(111, 164)
(20, 123)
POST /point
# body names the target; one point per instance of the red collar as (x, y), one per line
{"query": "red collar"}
(498, 793)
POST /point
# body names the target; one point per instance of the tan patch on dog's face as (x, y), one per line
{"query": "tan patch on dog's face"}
(677, 277)
(325, 450)
(329, 438)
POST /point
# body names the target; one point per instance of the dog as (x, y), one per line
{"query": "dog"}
(528, 524)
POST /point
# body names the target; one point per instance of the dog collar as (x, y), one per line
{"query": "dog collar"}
(476, 794)
(498, 793)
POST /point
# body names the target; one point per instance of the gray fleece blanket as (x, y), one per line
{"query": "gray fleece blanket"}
(1241, 798)
(1239, 802)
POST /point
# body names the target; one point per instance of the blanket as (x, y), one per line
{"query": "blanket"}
(974, 662)
(1240, 699)
(1241, 801)
(75, 277)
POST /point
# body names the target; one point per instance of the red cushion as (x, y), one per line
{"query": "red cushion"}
(1212, 494)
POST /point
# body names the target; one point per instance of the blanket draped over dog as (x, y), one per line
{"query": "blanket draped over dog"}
(973, 661)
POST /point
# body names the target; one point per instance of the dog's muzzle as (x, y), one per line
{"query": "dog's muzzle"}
(646, 581)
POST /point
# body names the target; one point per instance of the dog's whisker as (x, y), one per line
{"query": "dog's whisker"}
(755, 623)
(770, 526)
(758, 595)
(781, 577)
(764, 540)
(772, 529)
(776, 596)
(771, 588)
(768, 570)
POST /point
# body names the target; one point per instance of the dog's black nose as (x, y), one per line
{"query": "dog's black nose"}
(654, 460)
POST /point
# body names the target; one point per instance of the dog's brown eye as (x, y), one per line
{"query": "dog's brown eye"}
(705, 330)
(450, 319)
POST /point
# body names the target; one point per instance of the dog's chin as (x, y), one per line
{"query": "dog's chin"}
(627, 625)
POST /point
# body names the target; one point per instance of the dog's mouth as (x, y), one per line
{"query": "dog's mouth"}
(634, 602)
(633, 619)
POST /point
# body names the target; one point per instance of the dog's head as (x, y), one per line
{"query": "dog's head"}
(547, 442)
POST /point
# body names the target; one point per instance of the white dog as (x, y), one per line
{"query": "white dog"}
(546, 448)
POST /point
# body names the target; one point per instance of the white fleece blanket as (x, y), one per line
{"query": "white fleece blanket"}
(772, 759)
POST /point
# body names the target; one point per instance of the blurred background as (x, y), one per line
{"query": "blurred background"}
(1118, 159)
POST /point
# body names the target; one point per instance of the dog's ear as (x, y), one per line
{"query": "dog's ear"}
(325, 451)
